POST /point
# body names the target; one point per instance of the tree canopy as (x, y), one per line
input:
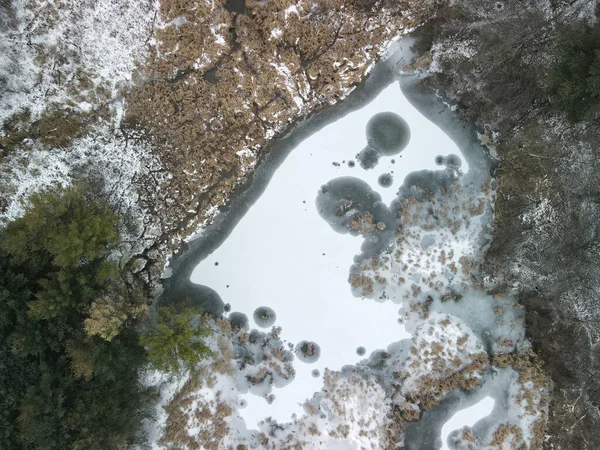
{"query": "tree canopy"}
(66, 383)
(176, 339)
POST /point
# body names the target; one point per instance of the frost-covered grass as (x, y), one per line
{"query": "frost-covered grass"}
(74, 53)
(65, 64)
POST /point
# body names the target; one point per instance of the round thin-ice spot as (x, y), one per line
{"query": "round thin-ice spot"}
(239, 352)
(453, 161)
(243, 404)
(351, 163)
(349, 205)
(256, 337)
(388, 133)
(308, 352)
(227, 307)
(315, 373)
(360, 351)
(264, 316)
(385, 180)
(238, 320)
(368, 158)
(439, 160)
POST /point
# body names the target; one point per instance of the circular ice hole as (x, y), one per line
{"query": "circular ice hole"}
(238, 320)
(388, 133)
(360, 351)
(256, 337)
(238, 352)
(385, 180)
(243, 404)
(308, 352)
(227, 307)
(439, 160)
(315, 373)
(351, 163)
(453, 161)
(264, 316)
(368, 158)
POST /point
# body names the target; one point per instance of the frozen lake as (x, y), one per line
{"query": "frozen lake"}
(282, 254)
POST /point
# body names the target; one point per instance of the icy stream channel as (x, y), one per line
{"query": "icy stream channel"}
(284, 256)
(466, 417)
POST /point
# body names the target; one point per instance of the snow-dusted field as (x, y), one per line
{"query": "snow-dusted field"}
(283, 255)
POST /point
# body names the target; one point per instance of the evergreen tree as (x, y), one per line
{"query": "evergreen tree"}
(176, 339)
(60, 386)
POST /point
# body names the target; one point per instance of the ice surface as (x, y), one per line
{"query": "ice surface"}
(467, 417)
(284, 256)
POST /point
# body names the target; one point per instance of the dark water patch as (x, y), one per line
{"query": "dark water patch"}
(227, 307)
(316, 373)
(439, 160)
(360, 351)
(379, 360)
(351, 163)
(288, 356)
(385, 180)
(238, 320)
(423, 184)
(481, 163)
(388, 133)
(196, 295)
(210, 76)
(453, 161)
(264, 316)
(257, 337)
(308, 352)
(426, 433)
(349, 205)
(239, 352)
(243, 403)
(236, 6)
(368, 158)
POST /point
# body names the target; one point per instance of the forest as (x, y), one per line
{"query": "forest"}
(77, 337)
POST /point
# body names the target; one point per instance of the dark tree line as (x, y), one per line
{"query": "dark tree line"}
(71, 354)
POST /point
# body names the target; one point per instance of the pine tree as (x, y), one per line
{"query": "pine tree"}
(176, 339)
